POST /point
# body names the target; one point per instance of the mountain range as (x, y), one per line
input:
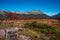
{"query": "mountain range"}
(56, 16)
(25, 15)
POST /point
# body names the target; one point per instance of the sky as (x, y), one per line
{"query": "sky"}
(49, 7)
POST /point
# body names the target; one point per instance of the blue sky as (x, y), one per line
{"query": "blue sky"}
(49, 7)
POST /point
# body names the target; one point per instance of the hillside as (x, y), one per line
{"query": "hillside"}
(57, 16)
(29, 14)
(3, 14)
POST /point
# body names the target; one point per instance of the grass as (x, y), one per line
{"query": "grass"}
(29, 32)
(33, 29)
(43, 28)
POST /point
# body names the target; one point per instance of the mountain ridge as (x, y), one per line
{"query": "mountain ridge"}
(29, 14)
(57, 16)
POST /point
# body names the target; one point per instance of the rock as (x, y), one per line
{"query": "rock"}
(24, 37)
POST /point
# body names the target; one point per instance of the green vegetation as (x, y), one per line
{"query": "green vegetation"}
(11, 24)
(36, 30)
(44, 29)
(39, 27)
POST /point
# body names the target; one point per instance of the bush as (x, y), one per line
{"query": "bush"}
(43, 28)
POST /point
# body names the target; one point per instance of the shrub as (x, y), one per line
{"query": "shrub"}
(38, 26)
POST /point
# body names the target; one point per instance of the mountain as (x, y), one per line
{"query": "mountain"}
(56, 16)
(29, 14)
(32, 14)
(3, 14)
(35, 12)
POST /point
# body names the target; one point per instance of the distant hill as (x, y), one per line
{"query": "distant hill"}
(56, 16)
(32, 14)
(29, 14)
(3, 14)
